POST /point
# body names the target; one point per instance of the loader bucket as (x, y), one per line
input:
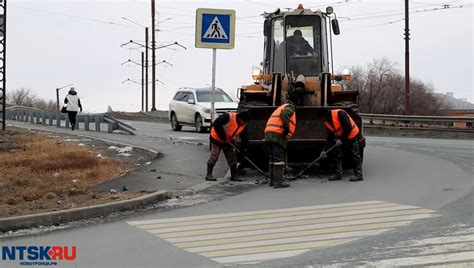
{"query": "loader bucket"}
(305, 145)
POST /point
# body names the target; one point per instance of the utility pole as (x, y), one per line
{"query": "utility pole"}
(146, 69)
(407, 60)
(153, 54)
(3, 61)
(143, 81)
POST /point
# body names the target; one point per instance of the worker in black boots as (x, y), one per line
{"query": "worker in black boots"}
(280, 127)
(342, 130)
(224, 131)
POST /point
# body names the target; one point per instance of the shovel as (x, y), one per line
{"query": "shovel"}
(312, 163)
(250, 161)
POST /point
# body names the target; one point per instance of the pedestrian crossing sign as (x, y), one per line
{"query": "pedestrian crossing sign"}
(215, 28)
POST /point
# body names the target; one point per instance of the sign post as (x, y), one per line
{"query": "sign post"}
(215, 28)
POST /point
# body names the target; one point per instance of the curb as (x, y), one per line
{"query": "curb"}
(75, 214)
(102, 210)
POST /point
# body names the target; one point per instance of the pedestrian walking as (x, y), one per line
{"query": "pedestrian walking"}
(280, 127)
(342, 129)
(224, 131)
(73, 105)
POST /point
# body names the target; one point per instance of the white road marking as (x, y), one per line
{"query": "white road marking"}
(255, 236)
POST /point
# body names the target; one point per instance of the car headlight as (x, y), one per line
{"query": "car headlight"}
(207, 110)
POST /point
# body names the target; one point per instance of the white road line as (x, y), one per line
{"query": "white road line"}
(334, 230)
(438, 240)
(175, 238)
(421, 260)
(371, 213)
(168, 220)
(274, 248)
(357, 234)
(252, 258)
(283, 224)
(264, 216)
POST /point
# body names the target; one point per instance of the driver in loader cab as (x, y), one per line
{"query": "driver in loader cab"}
(342, 129)
(280, 127)
(297, 45)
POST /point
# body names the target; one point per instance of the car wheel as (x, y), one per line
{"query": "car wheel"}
(198, 124)
(175, 126)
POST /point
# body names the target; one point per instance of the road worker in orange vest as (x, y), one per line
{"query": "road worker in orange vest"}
(342, 130)
(224, 131)
(280, 127)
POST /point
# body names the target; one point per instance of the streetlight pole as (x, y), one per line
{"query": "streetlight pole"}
(153, 54)
(57, 96)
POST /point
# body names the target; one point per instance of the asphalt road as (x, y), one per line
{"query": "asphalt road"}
(414, 208)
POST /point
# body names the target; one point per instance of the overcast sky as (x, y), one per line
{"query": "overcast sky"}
(54, 43)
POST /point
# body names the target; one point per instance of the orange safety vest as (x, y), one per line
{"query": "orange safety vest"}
(275, 124)
(231, 129)
(337, 129)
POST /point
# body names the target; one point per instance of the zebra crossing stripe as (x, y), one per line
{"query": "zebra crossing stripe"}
(256, 236)
(219, 219)
(356, 234)
(329, 231)
(234, 232)
(258, 212)
(279, 223)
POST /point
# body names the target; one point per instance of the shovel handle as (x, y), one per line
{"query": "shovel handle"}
(315, 161)
(250, 161)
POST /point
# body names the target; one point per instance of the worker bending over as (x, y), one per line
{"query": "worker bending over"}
(224, 131)
(280, 127)
(341, 129)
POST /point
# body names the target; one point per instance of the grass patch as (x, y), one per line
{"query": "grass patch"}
(38, 173)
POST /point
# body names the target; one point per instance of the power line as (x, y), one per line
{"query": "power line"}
(415, 11)
(374, 25)
(384, 14)
(74, 16)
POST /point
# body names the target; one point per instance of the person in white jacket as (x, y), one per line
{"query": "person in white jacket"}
(73, 106)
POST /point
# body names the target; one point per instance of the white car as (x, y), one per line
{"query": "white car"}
(192, 106)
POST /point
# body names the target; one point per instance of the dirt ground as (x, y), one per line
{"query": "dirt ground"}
(47, 172)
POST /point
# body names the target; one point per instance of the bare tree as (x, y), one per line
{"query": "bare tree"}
(26, 97)
(381, 88)
(21, 97)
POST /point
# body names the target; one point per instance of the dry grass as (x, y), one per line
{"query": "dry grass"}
(37, 171)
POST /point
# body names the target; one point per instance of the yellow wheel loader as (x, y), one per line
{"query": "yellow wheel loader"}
(297, 58)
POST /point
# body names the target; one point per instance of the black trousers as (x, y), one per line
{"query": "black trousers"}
(72, 118)
(349, 147)
(276, 152)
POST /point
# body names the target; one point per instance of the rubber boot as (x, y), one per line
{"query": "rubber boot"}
(233, 174)
(271, 174)
(337, 176)
(279, 171)
(357, 173)
(209, 176)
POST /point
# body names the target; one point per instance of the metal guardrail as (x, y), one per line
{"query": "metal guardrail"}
(429, 122)
(36, 116)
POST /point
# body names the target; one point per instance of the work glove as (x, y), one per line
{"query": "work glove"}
(338, 143)
(323, 155)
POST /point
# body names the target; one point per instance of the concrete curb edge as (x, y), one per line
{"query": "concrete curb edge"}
(82, 213)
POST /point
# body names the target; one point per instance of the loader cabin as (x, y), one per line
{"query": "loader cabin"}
(297, 48)
(296, 42)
